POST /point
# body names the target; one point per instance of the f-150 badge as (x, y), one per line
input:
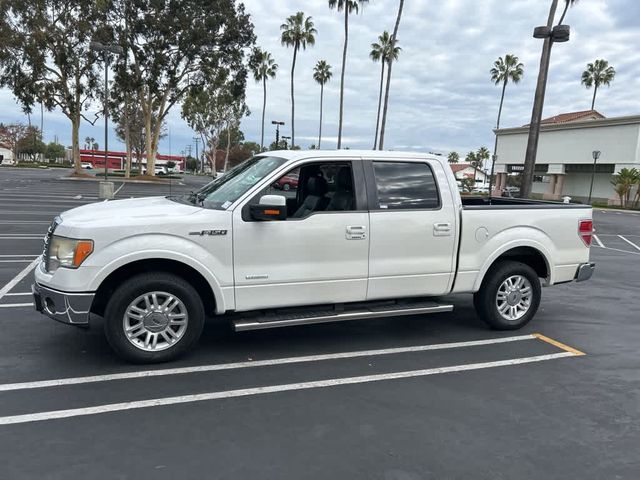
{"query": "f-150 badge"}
(209, 232)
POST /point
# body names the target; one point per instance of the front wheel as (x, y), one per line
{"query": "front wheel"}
(153, 317)
(509, 296)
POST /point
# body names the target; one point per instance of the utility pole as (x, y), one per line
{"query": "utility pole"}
(197, 140)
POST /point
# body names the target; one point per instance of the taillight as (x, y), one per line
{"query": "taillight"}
(585, 230)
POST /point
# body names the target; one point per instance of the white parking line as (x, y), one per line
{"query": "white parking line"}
(17, 260)
(595, 237)
(19, 256)
(257, 363)
(4, 290)
(618, 250)
(18, 294)
(629, 242)
(157, 402)
(15, 305)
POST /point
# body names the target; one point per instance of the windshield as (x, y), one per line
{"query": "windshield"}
(228, 188)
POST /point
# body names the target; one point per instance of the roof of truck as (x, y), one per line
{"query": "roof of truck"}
(369, 154)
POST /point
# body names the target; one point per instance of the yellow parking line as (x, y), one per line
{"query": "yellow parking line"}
(560, 345)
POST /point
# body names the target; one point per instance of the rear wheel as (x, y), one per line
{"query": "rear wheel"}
(509, 296)
(153, 317)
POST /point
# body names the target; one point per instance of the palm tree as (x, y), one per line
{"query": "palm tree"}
(297, 31)
(538, 101)
(453, 157)
(597, 73)
(503, 71)
(394, 37)
(348, 6)
(382, 50)
(321, 74)
(263, 67)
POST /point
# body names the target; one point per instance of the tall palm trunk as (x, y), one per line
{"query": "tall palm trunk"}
(495, 145)
(321, 101)
(344, 64)
(386, 92)
(593, 101)
(538, 104)
(293, 102)
(375, 139)
(264, 106)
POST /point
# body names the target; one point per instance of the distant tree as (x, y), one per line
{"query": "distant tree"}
(281, 145)
(504, 70)
(382, 51)
(30, 144)
(191, 164)
(45, 56)
(321, 74)
(263, 67)
(597, 73)
(11, 134)
(394, 38)
(236, 137)
(252, 147)
(174, 47)
(623, 183)
(55, 151)
(348, 6)
(137, 133)
(297, 31)
(453, 157)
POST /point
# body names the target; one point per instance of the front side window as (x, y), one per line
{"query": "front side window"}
(223, 191)
(403, 185)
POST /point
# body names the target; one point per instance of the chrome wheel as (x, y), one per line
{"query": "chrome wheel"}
(155, 321)
(513, 299)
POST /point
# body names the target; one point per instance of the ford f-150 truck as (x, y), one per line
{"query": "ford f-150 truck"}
(363, 234)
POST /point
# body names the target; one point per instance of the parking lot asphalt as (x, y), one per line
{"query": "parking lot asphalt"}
(404, 398)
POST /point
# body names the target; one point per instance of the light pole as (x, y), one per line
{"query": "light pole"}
(106, 49)
(277, 124)
(286, 145)
(596, 156)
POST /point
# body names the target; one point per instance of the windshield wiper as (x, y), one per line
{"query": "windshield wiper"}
(196, 198)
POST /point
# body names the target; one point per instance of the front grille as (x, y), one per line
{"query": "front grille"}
(47, 242)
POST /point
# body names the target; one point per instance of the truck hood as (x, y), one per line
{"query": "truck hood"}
(127, 211)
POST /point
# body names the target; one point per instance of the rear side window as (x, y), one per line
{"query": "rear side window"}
(405, 185)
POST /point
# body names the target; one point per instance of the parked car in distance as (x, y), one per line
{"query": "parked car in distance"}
(86, 165)
(158, 169)
(368, 234)
(287, 182)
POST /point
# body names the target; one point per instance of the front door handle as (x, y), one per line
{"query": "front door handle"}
(441, 229)
(354, 232)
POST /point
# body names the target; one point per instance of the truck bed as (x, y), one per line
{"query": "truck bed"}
(482, 203)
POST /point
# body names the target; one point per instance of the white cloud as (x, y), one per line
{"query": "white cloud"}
(441, 95)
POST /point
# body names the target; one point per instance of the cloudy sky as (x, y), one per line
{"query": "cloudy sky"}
(441, 96)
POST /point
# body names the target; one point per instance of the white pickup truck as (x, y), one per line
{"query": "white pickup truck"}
(358, 235)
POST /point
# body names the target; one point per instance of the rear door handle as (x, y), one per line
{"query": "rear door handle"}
(354, 232)
(441, 229)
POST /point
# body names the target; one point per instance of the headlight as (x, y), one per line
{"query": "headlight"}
(68, 252)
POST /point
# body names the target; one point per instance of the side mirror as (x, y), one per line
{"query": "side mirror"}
(270, 207)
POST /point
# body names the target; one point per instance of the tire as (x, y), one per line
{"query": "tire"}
(132, 307)
(512, 287)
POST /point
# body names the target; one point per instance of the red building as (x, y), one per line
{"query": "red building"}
(116, 160)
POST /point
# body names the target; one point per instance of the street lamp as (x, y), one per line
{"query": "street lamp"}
(596, 156)
(286, 146)
(197, 140)
(277, 124)
(106, 49)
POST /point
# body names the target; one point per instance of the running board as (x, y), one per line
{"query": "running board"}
(326, 316)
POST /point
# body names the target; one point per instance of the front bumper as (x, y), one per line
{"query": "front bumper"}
(65, 307)
(585, 271)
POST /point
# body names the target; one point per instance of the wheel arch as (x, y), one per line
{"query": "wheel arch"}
(211, 299)
(534, 256)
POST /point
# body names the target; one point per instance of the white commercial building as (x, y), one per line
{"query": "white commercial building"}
(6, 155)
(564, 163)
